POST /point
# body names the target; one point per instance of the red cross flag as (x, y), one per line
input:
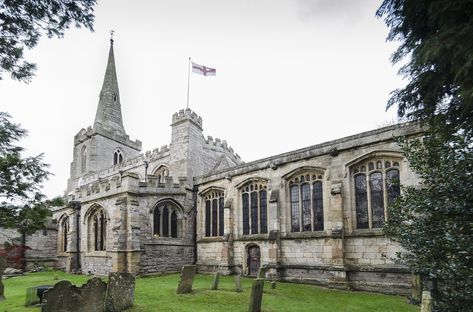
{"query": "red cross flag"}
(203, 70)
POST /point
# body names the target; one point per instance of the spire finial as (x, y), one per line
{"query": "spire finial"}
(112, 33)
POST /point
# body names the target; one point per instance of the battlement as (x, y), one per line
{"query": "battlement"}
(126, 182)
(221, 145)
(186, 114)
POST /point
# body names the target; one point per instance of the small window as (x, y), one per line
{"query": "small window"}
(162, 172)
(83, 159)
(117, 157)
(64, 236)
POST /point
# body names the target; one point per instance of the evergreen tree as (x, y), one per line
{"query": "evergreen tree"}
(434, 221)
(22, 22)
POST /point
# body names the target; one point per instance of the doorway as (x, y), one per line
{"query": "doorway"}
(254, 260)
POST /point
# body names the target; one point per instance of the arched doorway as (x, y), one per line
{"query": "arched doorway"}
(254, 260)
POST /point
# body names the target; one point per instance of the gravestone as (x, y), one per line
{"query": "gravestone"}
(273, 285)
(120, 292)
(426, 305)
(186, 279)
(256, 296)
(31, 296)
(65, 297)
(3, 265)
(262, 272)
(237, 279)
(215, 280)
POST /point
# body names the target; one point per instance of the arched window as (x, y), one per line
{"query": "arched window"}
(306, 201)
(376, 185)
(214, 213)
(64, 234)
(161, 173)
(254, 197)
(117, 157)
(97, 227)
(83, 159)
(166, 220)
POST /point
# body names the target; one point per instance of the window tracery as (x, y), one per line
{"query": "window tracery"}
(162, 172)
(165, 220)
(306, 201)
(117, 157)
(97, 228)
(376, 185)
(214, 213)
(254, 197)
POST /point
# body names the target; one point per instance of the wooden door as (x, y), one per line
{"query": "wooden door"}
(254, 256)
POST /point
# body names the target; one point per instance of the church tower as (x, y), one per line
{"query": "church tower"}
(106, 143)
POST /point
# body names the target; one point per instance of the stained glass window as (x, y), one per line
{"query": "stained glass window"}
(254, 206)
(361, 202)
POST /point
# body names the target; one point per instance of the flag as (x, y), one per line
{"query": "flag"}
(203, 70)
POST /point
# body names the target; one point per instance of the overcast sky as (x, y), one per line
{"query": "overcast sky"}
(290, 73)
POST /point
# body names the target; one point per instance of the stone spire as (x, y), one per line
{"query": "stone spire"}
(109, 113)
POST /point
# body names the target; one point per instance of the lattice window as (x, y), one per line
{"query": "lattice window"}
(376, 184)
(165, 220)
(254, 196)
(306, 201)
(214, 213)
(117, 157)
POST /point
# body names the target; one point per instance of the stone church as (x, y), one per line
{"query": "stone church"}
(312, 215)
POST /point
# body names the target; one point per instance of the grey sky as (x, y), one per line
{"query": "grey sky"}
(290, 73)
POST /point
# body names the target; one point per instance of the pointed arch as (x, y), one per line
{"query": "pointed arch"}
(96, 220)
(117, 157)
(167, 219)
(161, 172)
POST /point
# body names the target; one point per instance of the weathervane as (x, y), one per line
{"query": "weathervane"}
(112, 33)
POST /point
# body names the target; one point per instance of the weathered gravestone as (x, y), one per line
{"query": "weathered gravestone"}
(262, 272)
(237, 279)
(256, 296)
(186, 279)
(215, 280)
(65, 297)
(273, 285)
(120, 292)
(426, 302)
(3, 265)
(34, 295)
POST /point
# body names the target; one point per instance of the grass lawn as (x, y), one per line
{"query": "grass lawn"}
(158, 294)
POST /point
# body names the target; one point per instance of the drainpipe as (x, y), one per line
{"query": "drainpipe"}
(75, 204)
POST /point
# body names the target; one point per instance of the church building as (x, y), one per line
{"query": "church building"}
(312, 215)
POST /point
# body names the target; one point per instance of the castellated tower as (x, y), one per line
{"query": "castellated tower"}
(106, 143)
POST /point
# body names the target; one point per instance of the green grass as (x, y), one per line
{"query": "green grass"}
(158, 294)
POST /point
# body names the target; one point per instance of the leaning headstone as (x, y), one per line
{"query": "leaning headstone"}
(215, 280)
(120, 292)
(256, 296)
(31, 296)
(186, 279)
(93, 295)
(63, 297)
(416, 294)
(426, 302)
(237, 279)
(262, 272)
(3, 265)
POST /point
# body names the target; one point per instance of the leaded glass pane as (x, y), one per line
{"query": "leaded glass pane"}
(361, 201)
(214, 217)
(263, 212)
(306, 214)
(165, 222)
(156, 219)
(254, 212)
(295, 208)
(207, 218)
(377, 199)
(173, 224)
(393, 185)
(220, 216)
(246, 213)
(318, 206)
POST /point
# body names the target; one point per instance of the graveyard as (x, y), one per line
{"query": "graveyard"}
(159, 293)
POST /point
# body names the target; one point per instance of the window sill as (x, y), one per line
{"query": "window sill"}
(299, 235)
(366, 232)
(98, 254)
(249, 237)
(212, 239)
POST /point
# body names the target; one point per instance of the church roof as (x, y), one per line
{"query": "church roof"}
(109, 114)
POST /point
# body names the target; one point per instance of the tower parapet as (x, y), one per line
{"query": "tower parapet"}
(186, 115)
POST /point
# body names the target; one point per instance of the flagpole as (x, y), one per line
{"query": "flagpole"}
(188, 80)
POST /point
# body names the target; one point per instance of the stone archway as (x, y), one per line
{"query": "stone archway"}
(253, 260)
